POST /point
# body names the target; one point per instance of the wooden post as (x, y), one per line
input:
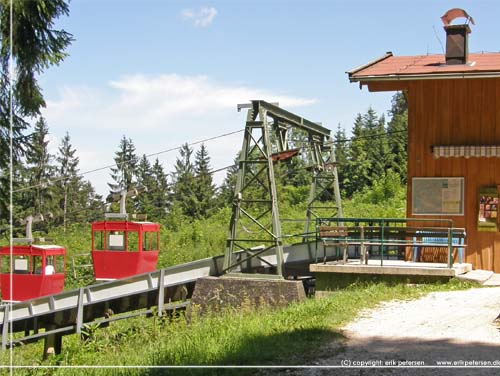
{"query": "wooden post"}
(53, 342)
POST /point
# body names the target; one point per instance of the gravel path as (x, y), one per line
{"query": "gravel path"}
(442, 326)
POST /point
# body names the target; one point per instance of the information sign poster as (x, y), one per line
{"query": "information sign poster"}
(488, 209)
(438, 196)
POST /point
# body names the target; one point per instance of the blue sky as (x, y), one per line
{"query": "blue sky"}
(168, 72)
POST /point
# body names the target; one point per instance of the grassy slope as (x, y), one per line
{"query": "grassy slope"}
(294, 335)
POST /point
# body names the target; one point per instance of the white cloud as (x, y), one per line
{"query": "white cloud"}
(154, 101)
(202, 17)
(157, 113)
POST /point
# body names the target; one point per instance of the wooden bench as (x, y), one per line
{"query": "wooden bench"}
(334, 236)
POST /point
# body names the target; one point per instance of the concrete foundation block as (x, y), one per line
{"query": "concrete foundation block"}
(216, 293)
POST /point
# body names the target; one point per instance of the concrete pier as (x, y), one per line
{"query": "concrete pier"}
(216, 293)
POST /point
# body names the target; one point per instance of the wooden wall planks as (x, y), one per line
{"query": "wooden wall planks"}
(458, 112)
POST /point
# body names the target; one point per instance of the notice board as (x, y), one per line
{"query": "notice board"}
(438, 196)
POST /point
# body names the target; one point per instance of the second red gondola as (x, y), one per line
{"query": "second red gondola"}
(121, 248)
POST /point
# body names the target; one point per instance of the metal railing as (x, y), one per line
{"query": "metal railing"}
(76, 265)
(391, 232)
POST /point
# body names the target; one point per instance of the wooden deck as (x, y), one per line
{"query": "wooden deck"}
(392, 267)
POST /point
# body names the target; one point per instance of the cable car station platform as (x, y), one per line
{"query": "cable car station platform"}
(406, 250)
(392, 267)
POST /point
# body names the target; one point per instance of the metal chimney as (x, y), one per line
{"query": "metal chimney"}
(457, 40)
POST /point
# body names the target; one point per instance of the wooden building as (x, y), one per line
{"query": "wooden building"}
(453, 136)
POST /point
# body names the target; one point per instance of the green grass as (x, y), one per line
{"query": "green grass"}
(293, 335)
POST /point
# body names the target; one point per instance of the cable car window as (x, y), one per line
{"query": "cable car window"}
(4, 264)
(99, 240)
(59, 264)
(36, 264)
(21, 265)
(150, 241)
(116, 241)
(133, 241)
(49, 265)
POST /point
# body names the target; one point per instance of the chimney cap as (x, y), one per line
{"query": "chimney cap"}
(456, 28)
(450, 15)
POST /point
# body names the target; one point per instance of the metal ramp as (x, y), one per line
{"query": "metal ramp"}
(149, 293)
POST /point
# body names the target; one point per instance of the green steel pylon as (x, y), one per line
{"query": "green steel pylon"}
(255, 226)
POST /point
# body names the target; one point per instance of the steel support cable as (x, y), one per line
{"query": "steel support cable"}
(124, 162)
(378, 135)
(2, 230)
(381, 135)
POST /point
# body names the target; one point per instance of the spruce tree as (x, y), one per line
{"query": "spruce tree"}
(68, 179)
(204, 188)
(397, 131)
(89, 206)
(184, 187)
(341, 155)
(160, 195)
(295, 172)
(37, 45)
(357, 171)
(226, 190)
(145, 179)
(126, 166)
(40, 170)
(377, 148)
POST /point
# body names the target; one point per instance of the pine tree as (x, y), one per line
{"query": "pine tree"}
(226, 190)
(67, 175)
(36, 46)
(184, 188)
(126, 166)
(399, 104)
(161, 194)
(145, 179)
(40, 170)
(89, 206)
(357, 171)
(204, 188)
(377, 148)
(341, 155)
(397, 130)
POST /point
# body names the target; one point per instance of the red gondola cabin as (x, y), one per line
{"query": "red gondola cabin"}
(38, 270)
(121, 249)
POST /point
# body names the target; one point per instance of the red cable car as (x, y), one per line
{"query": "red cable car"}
(37, 270)
(121, 248)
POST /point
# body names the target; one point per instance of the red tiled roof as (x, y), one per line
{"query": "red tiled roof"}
(425, 65)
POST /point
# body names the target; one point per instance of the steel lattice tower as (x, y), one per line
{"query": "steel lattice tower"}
(255, 225)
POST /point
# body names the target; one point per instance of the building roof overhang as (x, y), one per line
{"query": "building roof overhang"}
(390, 73)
